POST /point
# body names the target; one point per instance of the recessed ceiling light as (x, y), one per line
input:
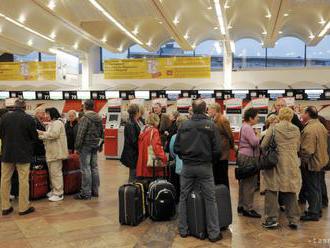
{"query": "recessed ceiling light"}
(322, 22)
(325, 30)
(104, 40)
(210, 7)
(264, 32)
(149, 43)
(52, 35)
(120, 49)
(262, 43)
(30, 42)
(226, 6)
(312, 36)
(215, 28)
(160, 22)
(21, 19)
(51, 4)
(286, 14)
(229, 27)
(75, 46)
(193, 46)
(268, 16)
(176, 21)
(280, 32)
(186, 36)
(135, 31)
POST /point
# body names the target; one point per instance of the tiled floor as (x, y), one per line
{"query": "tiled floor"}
(94, 223)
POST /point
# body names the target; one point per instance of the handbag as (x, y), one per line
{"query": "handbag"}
(269, 157)
(152, 159)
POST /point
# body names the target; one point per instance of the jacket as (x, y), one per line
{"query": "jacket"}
(197, 141)
(226, 136)
(39, 147)
(18, 134)
(314, 146)
(71, 133)
(286, 176)
(295, 120)
(145, 140)
(130, 154)
(90, 131)
(55, 141)
(178, 161)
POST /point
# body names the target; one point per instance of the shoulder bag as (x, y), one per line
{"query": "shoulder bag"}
(269, 157)
(152, 159)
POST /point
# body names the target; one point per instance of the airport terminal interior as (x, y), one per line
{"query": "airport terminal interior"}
(163, 59)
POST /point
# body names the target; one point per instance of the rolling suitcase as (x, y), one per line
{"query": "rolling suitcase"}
(39, 186)
(222, 195)
(161, 199)
(196, 215)
(132, 209)
(71, 182)
(72, 163)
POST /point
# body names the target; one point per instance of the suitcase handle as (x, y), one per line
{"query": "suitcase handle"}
(154, 169)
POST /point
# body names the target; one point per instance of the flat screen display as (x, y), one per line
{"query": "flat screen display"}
(142, 95)
(206, 93)
(83, 95)
(29, 95)
(112, 94)
(173, 95)
(4, 94)
(113, 118)
(56, 95)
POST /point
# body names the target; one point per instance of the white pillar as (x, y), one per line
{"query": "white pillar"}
(227, 67)
(90, 65)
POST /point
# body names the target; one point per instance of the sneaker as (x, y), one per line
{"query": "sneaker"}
(7, 211)
(56, 198)
(251, 214)
(270, 224)
(216, 239)
(293, 226)
(81, 197)
(50, 194)
(11, 197)
(28, 211)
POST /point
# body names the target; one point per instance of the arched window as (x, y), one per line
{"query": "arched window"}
(288, 52)
(172, 48)
(319, 55)
(48, 57)
(213, 49)
(34, 56)
(249, 53)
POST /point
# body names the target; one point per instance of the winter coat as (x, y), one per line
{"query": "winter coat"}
(286, 176)
(71, 133)
(144, 141)
(314, 146)
(18, 135)
(226, 136)
(55, 141)
(39, 147)
(90, 131)
(130, 154)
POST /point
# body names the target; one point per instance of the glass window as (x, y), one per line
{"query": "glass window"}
(136, 51)
(172, 48)
(48, 57)
(34, 56)
(213, 49)
(319, 55)
(288, 52)
(110, 55)
(249, 53)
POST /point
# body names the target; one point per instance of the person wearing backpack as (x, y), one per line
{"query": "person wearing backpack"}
(285, 177)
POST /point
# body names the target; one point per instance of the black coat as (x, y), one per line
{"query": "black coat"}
(39, 148)
(130, 154)
(18, 134)
(71, 133)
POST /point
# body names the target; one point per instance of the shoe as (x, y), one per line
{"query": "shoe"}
(282, 208)
(240, 210)
(11, 197)
(270, 224)
(293, 226)
(184, 235)
(262, 192)
(95, 194)
(224, 228)
(7, 211)
(28, 211)
(81, 197)
(251, 214)
(310, 217)
(56, 198)
(50, 194)
(216, 239)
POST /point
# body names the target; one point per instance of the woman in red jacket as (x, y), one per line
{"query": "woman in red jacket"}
(145, 140)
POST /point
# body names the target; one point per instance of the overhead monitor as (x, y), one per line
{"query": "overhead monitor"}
(56, 95)
(4, 94)
(240, 93)
(29, 95)
(206, 93)
(112, 94)
(142, 94)
(83, 95)
(173, 95)
(313, 94)
(274, 94)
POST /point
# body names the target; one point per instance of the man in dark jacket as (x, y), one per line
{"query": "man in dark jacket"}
(89, 141)
(71, 129)
(18, 134)
(39, 148)
(197, 142)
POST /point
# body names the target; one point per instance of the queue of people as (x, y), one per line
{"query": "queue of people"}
(45, 138)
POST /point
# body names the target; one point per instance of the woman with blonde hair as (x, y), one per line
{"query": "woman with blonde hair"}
(285, 177)
(150, 137)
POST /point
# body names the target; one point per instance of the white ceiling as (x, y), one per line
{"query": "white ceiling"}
(78, 24)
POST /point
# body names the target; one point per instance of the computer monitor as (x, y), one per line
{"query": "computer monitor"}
(29, 95)
(56, 95)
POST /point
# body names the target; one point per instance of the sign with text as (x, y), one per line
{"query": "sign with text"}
(183, 102)
(115, 103)
(260, 103)
(233, 103)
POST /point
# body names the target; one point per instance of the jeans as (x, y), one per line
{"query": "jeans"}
(90, 180)
(312, 181)
(202, 176)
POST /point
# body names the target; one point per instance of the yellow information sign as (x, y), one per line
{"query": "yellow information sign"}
(35, 71)
(147, 68)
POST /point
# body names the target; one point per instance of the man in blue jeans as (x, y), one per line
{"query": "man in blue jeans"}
(88, 142)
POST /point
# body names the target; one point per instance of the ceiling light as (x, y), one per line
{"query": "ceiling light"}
(30, 42)
(264, 32)
(322, 22)
(186, 36)
(229, 27)
(114, 21)
(25, 27)
(268, 16)
(52, 35)
(160, 22)
(325, 29)
(21, 19)
(232, 46)
(261, 43)
(215, 28)
(226, 6)
(286, 14)
(220, 16)
(312, 36)
(120, 49)
(75, 46)
(104, 39)
(51, 4)
(193, 46)
(135, 31)
(280, 32)
(149, 43)
(176, 21)
(210, 7)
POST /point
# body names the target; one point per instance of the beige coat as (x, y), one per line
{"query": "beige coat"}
(314, 145)
(55, 141)
(286, 176)
(226, 136)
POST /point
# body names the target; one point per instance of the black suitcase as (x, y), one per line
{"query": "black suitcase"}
(196, 215)
(161, 199)
(222, 195)
(131, 204)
